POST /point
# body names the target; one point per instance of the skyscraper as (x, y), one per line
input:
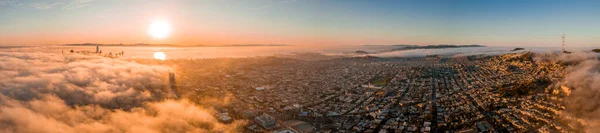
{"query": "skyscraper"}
(172, 80)
(173, 85)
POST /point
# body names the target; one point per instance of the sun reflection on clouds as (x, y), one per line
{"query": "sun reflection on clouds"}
(160, 55)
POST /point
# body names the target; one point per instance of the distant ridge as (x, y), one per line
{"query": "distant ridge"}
(361, 52)
(517, 49)
(439, 46)
(1, 47)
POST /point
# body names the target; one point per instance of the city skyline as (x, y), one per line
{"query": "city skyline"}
(301, 22)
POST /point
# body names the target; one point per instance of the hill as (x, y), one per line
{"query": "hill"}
(517, 49)
(440, 46)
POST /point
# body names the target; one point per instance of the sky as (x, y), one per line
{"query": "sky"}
(533, 23)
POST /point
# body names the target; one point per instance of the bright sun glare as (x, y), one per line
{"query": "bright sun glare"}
(160, 55)
(159, 29)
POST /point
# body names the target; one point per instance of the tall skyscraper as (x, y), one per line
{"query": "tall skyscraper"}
(173, 85)
(172, 80)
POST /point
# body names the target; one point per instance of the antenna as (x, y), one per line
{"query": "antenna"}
(563, 42)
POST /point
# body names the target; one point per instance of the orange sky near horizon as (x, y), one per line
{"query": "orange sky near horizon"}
(193, 35)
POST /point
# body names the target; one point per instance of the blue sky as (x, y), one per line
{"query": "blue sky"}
(311, 22)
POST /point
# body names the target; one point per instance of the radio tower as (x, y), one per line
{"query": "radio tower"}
(563, 44)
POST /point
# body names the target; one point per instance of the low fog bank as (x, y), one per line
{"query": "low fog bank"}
(42, 90)
(449, 52)
(222, 52)
(330, 50)
(582, 104)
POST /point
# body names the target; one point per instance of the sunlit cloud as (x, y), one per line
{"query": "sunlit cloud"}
(43, 90)
(43, 6)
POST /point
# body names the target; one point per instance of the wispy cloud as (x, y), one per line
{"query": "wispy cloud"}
(43, 6)
(78, 4)
(6, 2)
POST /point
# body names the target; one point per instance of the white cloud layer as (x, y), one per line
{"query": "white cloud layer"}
(51, 92)
(582, 105)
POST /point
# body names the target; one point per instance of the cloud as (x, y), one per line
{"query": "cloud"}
(42, 91)
(575, 57)
(583, 103)
(43, 6)
(50, 114)
(444, 52)
(582, 77)
(78, 4)
(7, 2)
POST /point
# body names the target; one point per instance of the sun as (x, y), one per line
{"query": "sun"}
(159, 29)
(160, 55)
